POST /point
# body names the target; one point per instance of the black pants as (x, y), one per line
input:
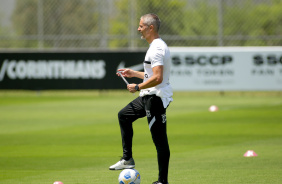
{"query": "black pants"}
(152, 107)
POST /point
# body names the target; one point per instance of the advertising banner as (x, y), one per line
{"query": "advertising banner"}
(192, 69)
(38, 71)
(226, 68)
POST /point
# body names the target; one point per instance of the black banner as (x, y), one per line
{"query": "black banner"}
(58, 70)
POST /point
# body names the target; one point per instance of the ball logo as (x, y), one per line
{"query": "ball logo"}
(127, 175)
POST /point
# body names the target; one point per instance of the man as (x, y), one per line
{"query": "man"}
(155, 96)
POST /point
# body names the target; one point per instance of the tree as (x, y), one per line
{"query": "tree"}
(4, 35)
(55, 23)
(251, 23)
(122, 23)
(201, 24)
(268, 23)
(113, 24)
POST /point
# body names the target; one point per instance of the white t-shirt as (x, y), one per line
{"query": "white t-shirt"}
(158, 54)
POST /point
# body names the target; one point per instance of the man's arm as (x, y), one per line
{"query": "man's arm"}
(156, 79)
(131, 73)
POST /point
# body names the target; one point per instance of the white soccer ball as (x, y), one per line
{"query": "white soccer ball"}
(129, 176)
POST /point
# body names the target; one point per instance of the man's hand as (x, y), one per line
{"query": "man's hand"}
(126, 72)
(131, 88)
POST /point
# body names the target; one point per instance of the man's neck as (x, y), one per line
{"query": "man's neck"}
(152, 38)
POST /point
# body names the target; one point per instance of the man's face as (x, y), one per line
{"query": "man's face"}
(143, 29)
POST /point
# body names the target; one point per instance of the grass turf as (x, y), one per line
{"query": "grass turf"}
(73, 137)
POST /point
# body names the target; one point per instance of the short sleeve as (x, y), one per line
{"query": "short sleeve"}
(157, 57)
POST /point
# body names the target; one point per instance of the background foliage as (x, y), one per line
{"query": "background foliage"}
(113, 23)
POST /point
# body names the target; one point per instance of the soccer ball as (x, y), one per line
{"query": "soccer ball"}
(58, 182)
(129, 176)
(213, 108)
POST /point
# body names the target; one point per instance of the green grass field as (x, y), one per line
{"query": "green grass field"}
(74, 136)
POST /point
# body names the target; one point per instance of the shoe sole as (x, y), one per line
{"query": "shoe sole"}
(124, 167)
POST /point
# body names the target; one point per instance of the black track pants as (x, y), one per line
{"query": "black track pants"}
(152, 107)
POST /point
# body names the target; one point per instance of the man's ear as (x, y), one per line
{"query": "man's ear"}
(151, 27)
